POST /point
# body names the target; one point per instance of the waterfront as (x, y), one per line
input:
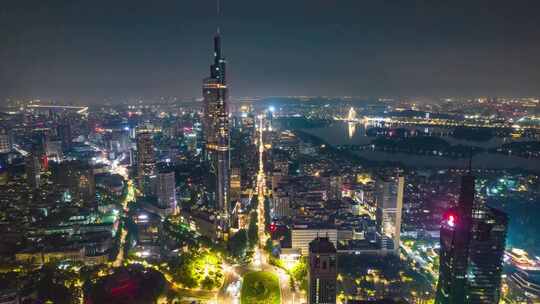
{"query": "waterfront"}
(342, 133)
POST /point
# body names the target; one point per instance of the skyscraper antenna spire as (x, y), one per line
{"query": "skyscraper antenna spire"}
(218, 11)
(470, 160)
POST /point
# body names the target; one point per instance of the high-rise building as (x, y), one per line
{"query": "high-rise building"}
(33, 171)
(190, 137)
(486, 253)
(332, 183)
(77, 177)
(455, 238)
(302, 235)
(55, 150)
(281, 206)
(473, 238)
(118, 141)
(146, 163)
(236, 184)
(5, 141)
(40, 137)
(64, 133)
(322, 274)
(389, 203)
(216, 128)
(166, 189)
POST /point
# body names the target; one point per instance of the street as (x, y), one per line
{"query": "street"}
(130, 197)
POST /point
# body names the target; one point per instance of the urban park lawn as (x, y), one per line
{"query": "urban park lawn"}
(260, 287)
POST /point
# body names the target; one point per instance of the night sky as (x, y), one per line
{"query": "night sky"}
(91, 50)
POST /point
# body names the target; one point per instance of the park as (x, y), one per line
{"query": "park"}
(260, 287)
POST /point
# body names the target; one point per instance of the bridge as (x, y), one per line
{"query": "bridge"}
(352, 115)
(78, 109)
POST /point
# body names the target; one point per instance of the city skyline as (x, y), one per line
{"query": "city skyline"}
(95, 52)
(219, 199)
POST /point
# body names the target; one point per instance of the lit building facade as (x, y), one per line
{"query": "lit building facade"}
(64, 133)
(5, 141)
(389, 203)
(216, 130)
(302, 235)
(236, 184)
(473, 238)
(146, 163)
(166, 190)
(486, 253)
(33, 171)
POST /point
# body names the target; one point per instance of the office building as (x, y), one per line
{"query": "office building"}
(33, 171)
(118, 141)
(78, 179)
(473, 238)
(486, 253)
(302, 235)
(216, 130)
(146, 164)
(455, 239)
(190, 137)
(236, 185)
(55, 150)
(389, 204)
(332, 184)
(5, 141)
(322, 274)
(166, 189)
(63, 131)
(281, 206)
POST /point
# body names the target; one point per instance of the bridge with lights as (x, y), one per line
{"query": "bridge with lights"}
(78, 109)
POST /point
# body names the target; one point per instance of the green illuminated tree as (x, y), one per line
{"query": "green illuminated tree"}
(238, 244)
(253, 233)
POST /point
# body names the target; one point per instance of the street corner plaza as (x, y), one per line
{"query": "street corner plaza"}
(260, 287)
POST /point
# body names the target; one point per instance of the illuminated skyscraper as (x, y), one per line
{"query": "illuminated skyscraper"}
(166, 189)
(486, 253)
(216, 128)
(236, 184)
(473, 238)
(146, 163)
(33, 170)
(64, 133)
(389, 199)
(5, 141)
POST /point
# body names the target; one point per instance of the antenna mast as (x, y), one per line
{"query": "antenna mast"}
(470, 160)
(218, 11)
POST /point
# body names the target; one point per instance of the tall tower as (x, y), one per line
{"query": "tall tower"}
(166, 189)
(455, 239)
(389, 198)
(216, 128)
(5, 141)
(473, 238)
(486, 253)
(322, 275)
(64, 132)
(146, 163)
(33, 174)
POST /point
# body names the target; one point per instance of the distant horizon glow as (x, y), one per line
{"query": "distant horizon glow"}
(353, 48)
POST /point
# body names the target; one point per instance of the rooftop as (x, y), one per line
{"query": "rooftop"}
(321, 245)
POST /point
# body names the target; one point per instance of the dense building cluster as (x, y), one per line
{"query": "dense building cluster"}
(174, 200)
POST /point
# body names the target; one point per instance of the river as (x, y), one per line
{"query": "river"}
(343, 133)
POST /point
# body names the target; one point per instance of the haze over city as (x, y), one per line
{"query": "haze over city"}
(246, 152)
(79, 50)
